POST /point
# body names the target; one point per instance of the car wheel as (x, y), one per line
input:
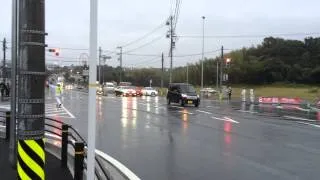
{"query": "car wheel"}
(196, 104)
(182, 103)
(153, 94)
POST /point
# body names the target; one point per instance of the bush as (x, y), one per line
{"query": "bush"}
(313, 90)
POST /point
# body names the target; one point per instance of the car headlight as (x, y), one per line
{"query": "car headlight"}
(184, 95)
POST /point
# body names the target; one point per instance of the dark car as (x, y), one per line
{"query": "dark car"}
(183, 94)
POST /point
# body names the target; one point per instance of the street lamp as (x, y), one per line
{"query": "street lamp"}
(203, 19)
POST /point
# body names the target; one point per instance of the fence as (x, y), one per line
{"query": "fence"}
(70, 142)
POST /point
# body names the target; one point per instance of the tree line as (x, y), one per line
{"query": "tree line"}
(274, 60)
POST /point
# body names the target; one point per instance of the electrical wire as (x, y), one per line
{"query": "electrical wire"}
(144, 36)
(197, 54)
(150, 55)
(146, 44)
(250, 36)
(149, 61)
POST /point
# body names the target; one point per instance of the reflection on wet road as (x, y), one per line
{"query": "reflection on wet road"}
(214, 141)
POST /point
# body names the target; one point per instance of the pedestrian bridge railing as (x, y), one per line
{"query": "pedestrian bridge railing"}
(66, 143)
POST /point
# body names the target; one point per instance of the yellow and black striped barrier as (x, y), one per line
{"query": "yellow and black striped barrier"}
(31, 159)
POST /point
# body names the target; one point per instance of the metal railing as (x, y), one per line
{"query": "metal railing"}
(69, 138)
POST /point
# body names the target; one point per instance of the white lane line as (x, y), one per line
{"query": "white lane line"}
(178, 107)
(314, 125)
(204, 112)
(5, 106)
(252, 112)
(225, 119)
(184, 112)
(70, 114)
(299, 118)
(230, 120)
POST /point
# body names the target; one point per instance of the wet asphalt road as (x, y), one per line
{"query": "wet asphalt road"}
(214, 141)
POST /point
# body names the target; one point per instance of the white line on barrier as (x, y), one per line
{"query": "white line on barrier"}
(130, 175)
(56, 114)
(314, 125)
(301, 109)
(299, 118)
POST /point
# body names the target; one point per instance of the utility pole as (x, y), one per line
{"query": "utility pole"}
(221, 67)
(187, 73)
(31, 99)
(171, 48)
(162, 70)
(217, 81)
(99, 74)
(171, 35)
(14, 55)
(120, 59)
(202, 61)
(4, 48)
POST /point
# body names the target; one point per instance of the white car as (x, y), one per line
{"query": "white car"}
(68, 87)
(208, 90)
(149, 91)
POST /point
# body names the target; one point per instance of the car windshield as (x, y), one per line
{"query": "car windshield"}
(187, 89)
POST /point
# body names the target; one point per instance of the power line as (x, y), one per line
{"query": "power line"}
(146, 55)
(146, 44)
(197, 54)
(250, 36)
(146, 61)
(144, 36)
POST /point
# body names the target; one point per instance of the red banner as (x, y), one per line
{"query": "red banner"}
(277, 100)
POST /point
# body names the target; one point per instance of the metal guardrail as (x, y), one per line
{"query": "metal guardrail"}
(70, 138)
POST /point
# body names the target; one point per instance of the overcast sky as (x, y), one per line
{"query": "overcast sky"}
(122, 21)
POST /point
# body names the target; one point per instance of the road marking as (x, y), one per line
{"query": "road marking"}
(225, 119)
(252, 112)
(299, 118)
(50, 111)
(231, 120)
(314, 125)
(178, 107)
(204, 112)
(5, 106)
(70, 114)
(184, 112)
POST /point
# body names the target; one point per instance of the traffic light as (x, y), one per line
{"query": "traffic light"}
(55, 51)
(228, 61)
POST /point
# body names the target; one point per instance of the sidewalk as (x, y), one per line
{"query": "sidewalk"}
(52, 168)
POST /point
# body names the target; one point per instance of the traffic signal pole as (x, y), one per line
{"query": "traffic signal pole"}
(31, 80)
